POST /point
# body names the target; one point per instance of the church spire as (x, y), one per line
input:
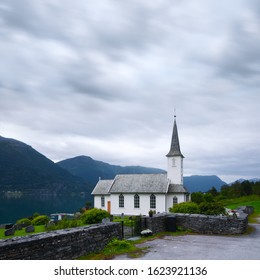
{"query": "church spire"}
(175, 145)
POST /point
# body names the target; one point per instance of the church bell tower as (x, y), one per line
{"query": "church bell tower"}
(175, 158)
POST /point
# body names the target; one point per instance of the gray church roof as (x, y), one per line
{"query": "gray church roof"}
(175, 145)
(102, 187)
(177, 188)
(140, 183)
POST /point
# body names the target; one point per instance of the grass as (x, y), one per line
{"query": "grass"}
(252, 200)
(127, 220)
(115, 247)
(38, 229)
(120, 247)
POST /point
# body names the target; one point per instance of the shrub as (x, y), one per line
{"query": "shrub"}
(197, 197)
(40, 220)
(64, 223)
(185, 207)
(94, 216)
(211, 208)
(24, 221)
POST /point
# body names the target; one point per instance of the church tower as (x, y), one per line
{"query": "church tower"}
(175, 159)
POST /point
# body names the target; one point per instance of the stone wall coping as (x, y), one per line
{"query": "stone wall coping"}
(50, 234)
(241, 216)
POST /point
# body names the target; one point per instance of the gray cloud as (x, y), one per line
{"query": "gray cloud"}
(103, 78)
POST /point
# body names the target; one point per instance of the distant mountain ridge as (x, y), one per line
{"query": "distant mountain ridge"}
(202, 183)
(23, 168)
(241, 180)
(91, 170)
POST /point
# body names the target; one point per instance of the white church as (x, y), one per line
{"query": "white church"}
(137, 194)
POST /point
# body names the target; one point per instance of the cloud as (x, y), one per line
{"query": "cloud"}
(103, 78)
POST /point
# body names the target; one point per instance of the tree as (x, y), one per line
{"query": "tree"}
(213, 191)
(197, 197)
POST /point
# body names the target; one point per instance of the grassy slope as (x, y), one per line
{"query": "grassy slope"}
(22, 232)
(252, 200)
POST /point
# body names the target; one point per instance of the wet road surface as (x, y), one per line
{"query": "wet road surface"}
(203, 247)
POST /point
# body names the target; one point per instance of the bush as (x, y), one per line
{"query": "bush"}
(64, 223)
(211, 208)
(197, 197)
(40, 220)
(24, 221)
(94, 216)
(185, 207)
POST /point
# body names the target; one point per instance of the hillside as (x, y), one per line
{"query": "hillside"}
(23, 168)
(197, 183)
(90, 170)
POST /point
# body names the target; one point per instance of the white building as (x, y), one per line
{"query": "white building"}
(136, 194)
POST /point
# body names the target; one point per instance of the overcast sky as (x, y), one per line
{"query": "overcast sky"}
(102, 78)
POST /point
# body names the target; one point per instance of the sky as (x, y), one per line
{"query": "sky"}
(103, 78)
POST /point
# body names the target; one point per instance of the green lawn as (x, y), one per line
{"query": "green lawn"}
(244, 201)
(22, 232)
(252, 200)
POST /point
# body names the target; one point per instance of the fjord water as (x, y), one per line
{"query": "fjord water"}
(14, 208)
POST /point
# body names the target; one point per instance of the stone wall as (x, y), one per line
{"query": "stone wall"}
(212, 224)
(196, 223)
(64, 244)
(156, 224)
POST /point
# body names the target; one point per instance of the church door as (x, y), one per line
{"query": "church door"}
(109, 206)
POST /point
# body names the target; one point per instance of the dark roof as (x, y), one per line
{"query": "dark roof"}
(175, 145)
(177, 188)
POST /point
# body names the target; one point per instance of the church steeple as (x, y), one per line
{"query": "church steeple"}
(175, 158)
(175, 145)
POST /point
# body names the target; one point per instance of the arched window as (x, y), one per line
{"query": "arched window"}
(152, 201)
(102, 201)
(136, 201)
(174, 200)
(121, 201)
(173, 162)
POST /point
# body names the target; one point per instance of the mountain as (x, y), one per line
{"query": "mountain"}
(24, 169)
(197, 183)
(91, 170)
(253, 180)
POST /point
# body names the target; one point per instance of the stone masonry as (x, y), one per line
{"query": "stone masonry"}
(64, 244)
(197, 223)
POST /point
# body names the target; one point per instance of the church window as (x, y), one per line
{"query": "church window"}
(136, 201)
(152, 201)
(102, 201)
(174, 200)
(121, 201)
(173, 162)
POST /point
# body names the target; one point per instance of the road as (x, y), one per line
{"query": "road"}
(203, 247)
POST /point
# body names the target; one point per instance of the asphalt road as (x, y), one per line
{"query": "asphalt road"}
(203, 247)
